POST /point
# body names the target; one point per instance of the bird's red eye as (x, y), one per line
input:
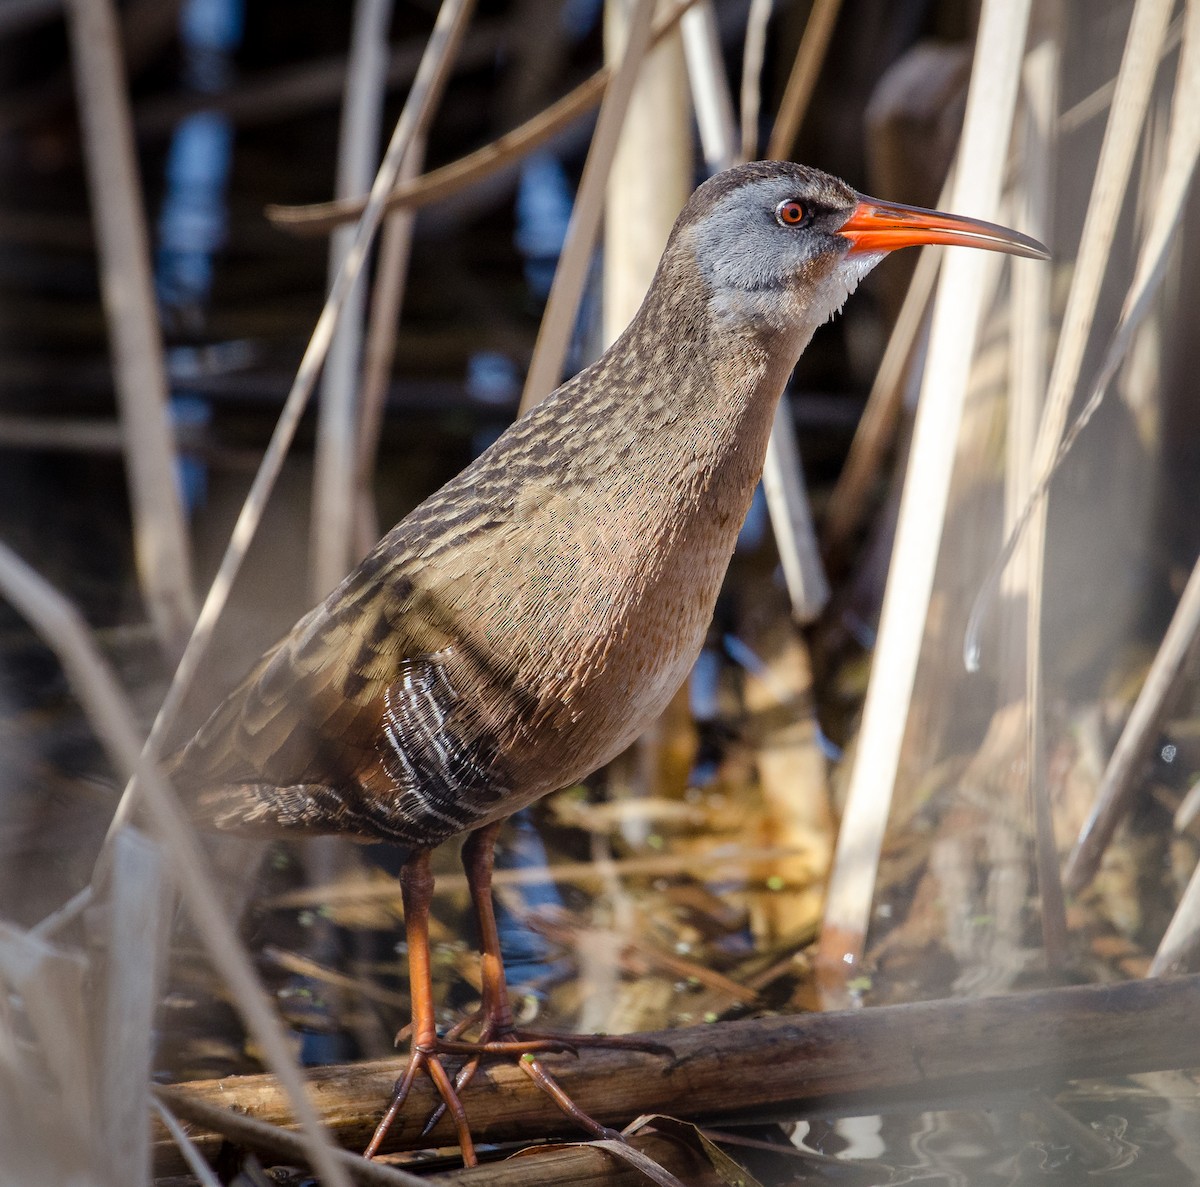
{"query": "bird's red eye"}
(790, 213)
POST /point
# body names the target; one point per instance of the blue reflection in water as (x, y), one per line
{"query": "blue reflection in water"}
(193, 223)
(526, 954)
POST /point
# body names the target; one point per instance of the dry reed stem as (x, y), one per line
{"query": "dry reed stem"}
(387, 301)
(651, 172)
(431, 75)
(754, 50)
(792, 520)
(160, 537)
(1020, 677)
(1028, 343)
(876, 431)
(321, 217)
(990, 101)
(108, 712)
(335, 456)
(711, 100)
(554, 334)
(128, 963)
(1179, 948)
(1183, 148)
(1135, 81)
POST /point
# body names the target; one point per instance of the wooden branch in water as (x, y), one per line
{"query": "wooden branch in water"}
(913, 1056)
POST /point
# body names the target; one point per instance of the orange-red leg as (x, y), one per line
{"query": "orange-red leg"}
(498, 1031)
(416, 888)
(498, 1035)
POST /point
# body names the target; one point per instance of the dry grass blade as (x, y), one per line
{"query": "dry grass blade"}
(583, 1164)
(271, 1139)
(131, 964)
(108, 711)
(545, 369)
(160, 534)
(335, 456)
(431, 76)
(320, 218)
(1179, 948)
(990, 102)
(642, 1163)
(194, 1159)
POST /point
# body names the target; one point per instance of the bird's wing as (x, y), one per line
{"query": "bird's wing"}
(356, 708)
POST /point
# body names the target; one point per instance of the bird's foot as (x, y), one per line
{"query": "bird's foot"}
(499, 1037)
(426, 1057)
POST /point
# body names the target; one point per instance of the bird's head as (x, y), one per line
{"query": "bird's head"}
(780, 246)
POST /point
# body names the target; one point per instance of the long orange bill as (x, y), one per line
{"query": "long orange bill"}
(885, 226)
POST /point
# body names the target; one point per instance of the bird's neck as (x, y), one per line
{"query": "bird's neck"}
(680, 407)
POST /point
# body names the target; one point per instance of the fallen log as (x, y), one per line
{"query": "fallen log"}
(919, 1056)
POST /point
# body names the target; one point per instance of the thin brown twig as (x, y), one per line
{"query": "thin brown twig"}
(814, 45)
(320, 218)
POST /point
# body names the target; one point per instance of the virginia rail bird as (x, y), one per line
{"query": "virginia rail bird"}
(525, 623)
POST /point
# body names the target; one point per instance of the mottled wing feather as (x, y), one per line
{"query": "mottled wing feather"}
(350, 724)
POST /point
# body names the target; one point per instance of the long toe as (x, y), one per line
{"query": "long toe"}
(423, 1059)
